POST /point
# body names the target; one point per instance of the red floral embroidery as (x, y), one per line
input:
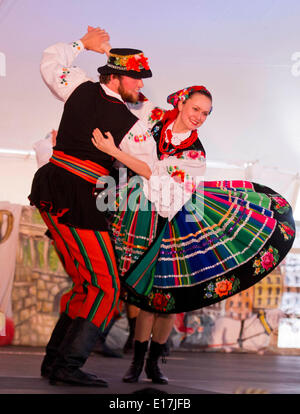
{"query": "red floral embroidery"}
(281, 201)
(267, 260)
(223, 288)
(179, 155)
(193, 154)
(178, 176)
(140, 138)
(156, 114)
(281, 205)
(287, 231)
(64, 76)
(161, 301)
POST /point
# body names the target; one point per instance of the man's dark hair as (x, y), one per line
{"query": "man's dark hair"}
(105, 79)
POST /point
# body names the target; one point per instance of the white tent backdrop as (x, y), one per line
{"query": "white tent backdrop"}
(246, 52)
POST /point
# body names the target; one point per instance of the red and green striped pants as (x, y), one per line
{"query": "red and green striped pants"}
(89, 260)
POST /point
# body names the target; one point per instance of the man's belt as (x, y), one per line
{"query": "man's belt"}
(88, 170)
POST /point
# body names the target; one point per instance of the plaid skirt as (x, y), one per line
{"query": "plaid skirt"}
(226, 238)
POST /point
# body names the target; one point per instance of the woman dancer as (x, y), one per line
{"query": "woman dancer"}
(227, 237)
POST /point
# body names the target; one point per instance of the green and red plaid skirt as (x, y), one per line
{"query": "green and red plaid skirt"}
(226, 238)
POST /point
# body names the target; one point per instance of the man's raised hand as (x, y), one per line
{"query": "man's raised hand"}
(97, 40)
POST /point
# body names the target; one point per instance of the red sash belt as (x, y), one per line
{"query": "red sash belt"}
(88, 170)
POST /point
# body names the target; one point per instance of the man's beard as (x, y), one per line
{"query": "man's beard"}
(127, 96)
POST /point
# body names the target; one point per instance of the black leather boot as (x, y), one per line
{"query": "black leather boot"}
(128, 347)
(136, 367)
(151, 368)
(74, 351)
(54, 343)
(102, 348)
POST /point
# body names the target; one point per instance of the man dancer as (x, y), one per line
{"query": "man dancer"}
(64, 192)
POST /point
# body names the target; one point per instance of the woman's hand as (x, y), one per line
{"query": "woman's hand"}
(108, 146)
(103, 144)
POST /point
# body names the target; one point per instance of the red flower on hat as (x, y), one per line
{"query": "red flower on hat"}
(133, 64)
(144, 62)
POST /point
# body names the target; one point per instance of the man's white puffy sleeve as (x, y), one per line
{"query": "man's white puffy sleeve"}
(57, 71)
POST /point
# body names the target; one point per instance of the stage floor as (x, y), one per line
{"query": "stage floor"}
(188, 373)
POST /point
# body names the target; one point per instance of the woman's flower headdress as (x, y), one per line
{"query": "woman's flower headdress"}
(184, 94)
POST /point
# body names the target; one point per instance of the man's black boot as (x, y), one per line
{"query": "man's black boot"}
(74, 351)
(102, 348)
(54, 343)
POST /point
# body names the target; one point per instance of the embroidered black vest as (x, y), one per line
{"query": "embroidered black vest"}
(88, 108)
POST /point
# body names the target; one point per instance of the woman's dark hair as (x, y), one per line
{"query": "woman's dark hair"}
(201, 92)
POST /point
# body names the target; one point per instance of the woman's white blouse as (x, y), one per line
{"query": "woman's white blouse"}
(173, 178)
